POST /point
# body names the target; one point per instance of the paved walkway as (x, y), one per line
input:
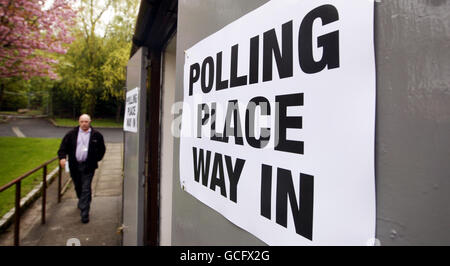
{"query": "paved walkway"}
(42, 128)
(63, 219)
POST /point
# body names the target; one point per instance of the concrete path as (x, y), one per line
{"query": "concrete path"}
(42, 128)
(63, 222)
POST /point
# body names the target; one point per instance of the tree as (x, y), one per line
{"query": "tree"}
(80, 71)
(28, 32)
(118, 37)
(94, 67)
(114, 74)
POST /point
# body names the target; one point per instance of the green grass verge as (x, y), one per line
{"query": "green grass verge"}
(99, 122)
(18, 156)
(29, 113)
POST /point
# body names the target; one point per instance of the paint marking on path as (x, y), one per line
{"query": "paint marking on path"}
(18, 133)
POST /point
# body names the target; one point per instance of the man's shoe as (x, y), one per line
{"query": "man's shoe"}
(85, 216)
(85, 219)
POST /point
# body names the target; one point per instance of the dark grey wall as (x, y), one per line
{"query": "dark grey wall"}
(413, 121)
(412, 42)
(134, 155)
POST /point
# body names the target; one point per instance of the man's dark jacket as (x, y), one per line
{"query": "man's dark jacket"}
(96, 150)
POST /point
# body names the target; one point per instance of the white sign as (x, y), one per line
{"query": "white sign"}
(130, 121)
(278, 122)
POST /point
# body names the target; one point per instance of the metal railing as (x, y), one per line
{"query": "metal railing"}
(18, 181)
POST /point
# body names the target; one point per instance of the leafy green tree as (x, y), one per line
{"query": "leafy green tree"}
(94, 66)
(114, 75)
(33, 93)
(81, 71)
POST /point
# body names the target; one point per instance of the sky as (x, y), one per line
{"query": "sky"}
(105, 19)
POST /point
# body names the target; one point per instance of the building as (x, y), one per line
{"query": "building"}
(412, 123)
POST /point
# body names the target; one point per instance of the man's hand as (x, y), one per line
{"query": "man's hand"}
(62, 162)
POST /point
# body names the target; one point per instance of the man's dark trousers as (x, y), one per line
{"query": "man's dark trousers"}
(82, 179)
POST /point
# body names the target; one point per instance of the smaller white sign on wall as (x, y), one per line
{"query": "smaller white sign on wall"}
(130, 120)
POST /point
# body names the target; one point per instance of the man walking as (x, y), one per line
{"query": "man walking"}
(85, 147)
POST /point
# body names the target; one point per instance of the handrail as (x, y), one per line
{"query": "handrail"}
(18, 181)
(13, 182)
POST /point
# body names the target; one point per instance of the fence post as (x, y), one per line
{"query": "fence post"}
(59, 182)
(17, 215)
(44, 193)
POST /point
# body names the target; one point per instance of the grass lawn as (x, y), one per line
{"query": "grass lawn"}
(29, 112)
(96, 122)
(18, 156)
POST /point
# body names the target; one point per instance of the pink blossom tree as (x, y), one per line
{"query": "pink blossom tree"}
(30, 31)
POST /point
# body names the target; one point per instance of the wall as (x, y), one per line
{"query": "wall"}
(413, 121)
(134, 155)
(412, 157)
(166, 164)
